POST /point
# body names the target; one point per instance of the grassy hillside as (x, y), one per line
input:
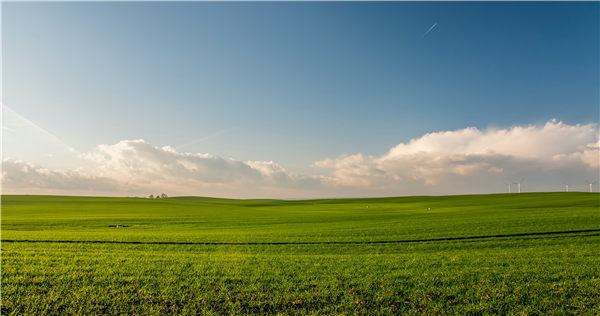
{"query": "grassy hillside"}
(536, 253)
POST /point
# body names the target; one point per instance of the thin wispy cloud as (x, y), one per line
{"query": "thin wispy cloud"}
(16, 120)
(205, 138)
(430, 29)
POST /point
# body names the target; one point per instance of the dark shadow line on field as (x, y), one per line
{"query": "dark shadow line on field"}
(475, 240)
(308, 242)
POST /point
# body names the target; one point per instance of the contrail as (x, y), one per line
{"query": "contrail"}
(430, 29)
(25, 121)
(205, 138)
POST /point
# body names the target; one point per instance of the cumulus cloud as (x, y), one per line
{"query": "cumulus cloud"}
(468, 160)
(463, 160)
(138, 160)
(136, 167)
(22, 177)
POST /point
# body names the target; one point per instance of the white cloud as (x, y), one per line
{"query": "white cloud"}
(462, 161)
(22, 177)
(534, 142)
(136, 162)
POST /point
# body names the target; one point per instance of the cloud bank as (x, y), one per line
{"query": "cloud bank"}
(136, 167)
(468, 160)
(472, 160)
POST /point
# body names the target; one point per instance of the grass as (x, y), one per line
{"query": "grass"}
(194, 255)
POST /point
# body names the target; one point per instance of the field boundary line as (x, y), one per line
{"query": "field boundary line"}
(303, 242)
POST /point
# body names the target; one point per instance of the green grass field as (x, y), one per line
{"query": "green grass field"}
(530, 253)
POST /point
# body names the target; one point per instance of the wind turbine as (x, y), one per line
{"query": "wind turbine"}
(591, 184)
(518, 183)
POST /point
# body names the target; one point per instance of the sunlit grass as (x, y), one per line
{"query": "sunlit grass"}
(540, 274)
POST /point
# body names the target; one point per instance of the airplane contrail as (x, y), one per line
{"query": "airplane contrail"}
(430, 29)
(25, 121)
(205, 138)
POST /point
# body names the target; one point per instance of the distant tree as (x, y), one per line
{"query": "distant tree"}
(158, 196)
(150, 196)
(163, 196)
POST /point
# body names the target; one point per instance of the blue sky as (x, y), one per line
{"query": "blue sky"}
(295, 83)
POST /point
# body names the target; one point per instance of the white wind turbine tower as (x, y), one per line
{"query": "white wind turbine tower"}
(566, 185)
(508, 187)
(591, 184)
(518, 183)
